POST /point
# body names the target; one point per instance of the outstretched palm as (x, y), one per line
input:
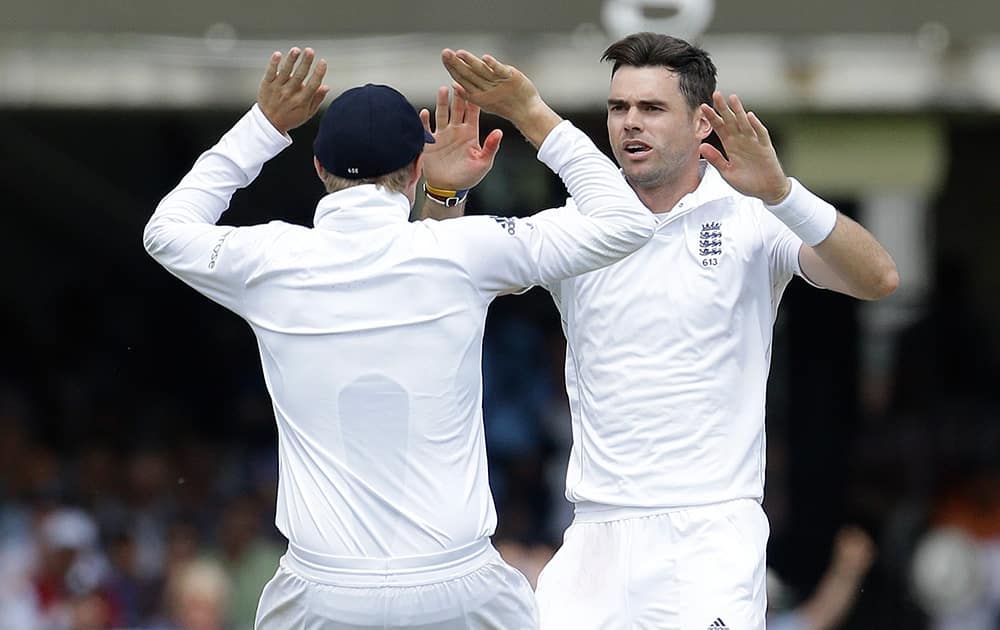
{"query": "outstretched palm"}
(753, 167)
(288, 94)
(456, 161)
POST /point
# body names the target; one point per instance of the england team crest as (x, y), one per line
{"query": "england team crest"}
(710, 243)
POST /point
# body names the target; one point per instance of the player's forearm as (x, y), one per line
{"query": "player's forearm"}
(204, 193)
(535, 121)
(842, 255)
(865, 268)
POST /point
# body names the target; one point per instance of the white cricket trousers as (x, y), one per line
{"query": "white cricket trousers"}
(700, 568)
(470, 587)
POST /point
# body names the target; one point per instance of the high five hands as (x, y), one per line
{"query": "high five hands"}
(456, 161)
(502, 90)
(753, 167)
(288, 94)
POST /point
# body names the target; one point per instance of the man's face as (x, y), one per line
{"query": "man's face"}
(654, 133)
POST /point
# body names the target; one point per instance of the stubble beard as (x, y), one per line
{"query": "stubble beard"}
(662, 175)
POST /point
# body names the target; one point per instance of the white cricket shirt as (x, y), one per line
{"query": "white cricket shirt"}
(668, 354)
(370, 333)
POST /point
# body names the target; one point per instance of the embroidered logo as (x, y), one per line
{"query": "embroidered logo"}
(710, 243)
(718, 624)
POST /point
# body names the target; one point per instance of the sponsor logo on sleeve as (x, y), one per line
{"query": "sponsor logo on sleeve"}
(507, 223)
(216, 249)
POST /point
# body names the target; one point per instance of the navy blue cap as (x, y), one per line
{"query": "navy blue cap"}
(369, 131)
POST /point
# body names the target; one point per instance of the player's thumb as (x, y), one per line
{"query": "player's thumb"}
(713, 155)
(492, 144)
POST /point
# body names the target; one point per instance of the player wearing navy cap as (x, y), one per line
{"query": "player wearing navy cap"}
(370, 332)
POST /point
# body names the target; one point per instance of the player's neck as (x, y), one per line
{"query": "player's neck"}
(664, 197)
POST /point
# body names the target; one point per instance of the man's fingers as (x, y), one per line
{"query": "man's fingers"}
(272, 66)
(475, 63)
(302, 69)
(472, 116)
(483, 74)
(739, 114)
(458, 89)
(718, 124)
(285, 69)
(317, 99)
(502, 71)
(425, 118)
(759, 128)
(458, 108)
(462, 73)
(441, 109)
(722, 107)
(492, 144)
(713, 155)
(316, 78)
(465, 76)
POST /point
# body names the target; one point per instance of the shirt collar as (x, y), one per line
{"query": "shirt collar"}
(711, 187)
(361, 207)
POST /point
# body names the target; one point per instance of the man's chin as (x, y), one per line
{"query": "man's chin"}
(642, 178)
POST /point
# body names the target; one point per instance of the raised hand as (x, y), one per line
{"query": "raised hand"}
(288, 94)
(753, 167)
(456, 161)
(502, 90)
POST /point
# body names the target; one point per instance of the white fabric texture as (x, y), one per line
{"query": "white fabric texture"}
(667, 358)
(677, 570)
(494, 596)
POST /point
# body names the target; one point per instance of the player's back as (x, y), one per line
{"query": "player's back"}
(370, 337)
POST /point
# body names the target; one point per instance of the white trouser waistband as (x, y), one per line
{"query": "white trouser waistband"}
(399, 571)
(590, 512)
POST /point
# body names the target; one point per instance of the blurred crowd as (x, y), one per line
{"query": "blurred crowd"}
(150, 539)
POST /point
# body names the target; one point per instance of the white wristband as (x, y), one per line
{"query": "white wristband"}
(811, 218)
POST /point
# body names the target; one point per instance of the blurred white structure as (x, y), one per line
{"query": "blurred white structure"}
(895, 55)
(856, 72)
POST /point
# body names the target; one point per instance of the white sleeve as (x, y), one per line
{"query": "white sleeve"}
(783, 247)
(504, 254)
(182, 235)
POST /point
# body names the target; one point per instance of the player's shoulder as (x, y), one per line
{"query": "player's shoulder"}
(568, 206)
(461, 236)
(264, 234)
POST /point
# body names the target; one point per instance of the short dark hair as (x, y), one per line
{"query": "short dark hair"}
(692, 64)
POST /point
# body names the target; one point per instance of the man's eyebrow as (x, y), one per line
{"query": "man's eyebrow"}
(621, 101)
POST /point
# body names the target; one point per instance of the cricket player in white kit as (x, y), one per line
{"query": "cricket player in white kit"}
(668, 353)
(370, 334)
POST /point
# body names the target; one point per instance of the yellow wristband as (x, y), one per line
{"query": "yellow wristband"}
(448, 198)
(441, 192)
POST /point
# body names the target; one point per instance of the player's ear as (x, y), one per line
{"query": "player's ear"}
(320, 171)
(417, 166)
(703, 128)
